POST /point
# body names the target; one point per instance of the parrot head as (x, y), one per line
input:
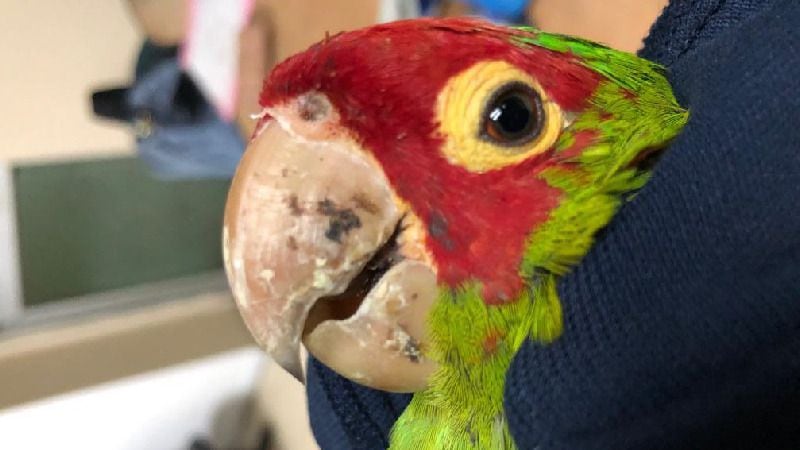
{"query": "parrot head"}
(394, 164)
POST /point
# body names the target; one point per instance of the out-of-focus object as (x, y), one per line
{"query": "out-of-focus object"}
(300, 23)
(451, 8)
(84, 228)
(391, 10)
(163, 21)
(10, 282)
(179, 134)
(210, 50)
(503, 11)
(271, 417)
(183, 106)
(500, 11)
(621, 24)
(160, 408)
(115, 335)
(191, 113)
(238, 423)
(281, 401)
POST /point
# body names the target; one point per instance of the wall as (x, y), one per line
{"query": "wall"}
(298, 24)
(165, 409)
(53, 54)
(621, 24)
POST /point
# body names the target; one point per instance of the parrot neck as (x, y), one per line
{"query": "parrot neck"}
(474, 344)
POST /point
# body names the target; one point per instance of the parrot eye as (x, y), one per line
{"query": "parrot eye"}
(494, 115)
(513, 116)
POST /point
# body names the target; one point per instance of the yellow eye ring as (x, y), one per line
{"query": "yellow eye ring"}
(464, 110)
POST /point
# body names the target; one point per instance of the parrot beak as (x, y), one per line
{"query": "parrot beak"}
(313, 248)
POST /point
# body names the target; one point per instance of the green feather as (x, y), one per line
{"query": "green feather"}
(633, 110)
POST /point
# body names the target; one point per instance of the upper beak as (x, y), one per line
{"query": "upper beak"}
(310, 253)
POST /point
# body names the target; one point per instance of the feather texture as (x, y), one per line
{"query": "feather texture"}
(501, 237)
(631, 112)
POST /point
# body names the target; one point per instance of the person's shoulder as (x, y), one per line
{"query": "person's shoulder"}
(734, 70)
(686, 26)
(757, 52)
(654, 345)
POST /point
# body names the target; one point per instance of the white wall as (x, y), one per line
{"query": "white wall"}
(52, 54)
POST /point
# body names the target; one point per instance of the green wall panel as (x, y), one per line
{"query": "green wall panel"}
(91, 226)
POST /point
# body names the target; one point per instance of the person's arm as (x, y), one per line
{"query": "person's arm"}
(255, 59)
(162, 21)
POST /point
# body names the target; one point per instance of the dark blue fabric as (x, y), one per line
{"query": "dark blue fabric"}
(346, 415)
(179, 135)
(682, 324)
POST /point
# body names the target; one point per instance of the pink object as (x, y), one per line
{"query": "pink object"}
(210, 51)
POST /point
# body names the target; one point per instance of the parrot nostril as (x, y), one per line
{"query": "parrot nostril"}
(313, 107)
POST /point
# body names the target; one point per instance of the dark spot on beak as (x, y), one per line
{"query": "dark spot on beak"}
(344, 305)
(411, 350)
(292, 243)
(294, 206)
(342, 220)
(363, 202)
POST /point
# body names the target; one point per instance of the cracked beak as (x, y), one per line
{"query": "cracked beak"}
(312, 246)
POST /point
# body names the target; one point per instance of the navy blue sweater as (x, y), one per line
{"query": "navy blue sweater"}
(682, 324)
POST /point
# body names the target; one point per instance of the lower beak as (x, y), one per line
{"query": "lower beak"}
(310, 252)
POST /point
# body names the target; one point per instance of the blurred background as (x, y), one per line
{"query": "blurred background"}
(122, 122)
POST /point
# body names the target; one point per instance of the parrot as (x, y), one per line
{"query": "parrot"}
(412, 195)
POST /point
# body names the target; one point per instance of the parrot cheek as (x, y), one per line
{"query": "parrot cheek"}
(382, 345)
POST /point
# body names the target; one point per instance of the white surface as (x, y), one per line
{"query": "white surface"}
(211, 51)
(160, 410)
(10, 284)
(391, 10)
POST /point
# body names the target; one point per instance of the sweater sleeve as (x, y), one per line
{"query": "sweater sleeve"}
(348, 416)
(682, 324)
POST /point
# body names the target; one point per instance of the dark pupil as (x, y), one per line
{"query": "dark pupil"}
(511, 115)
